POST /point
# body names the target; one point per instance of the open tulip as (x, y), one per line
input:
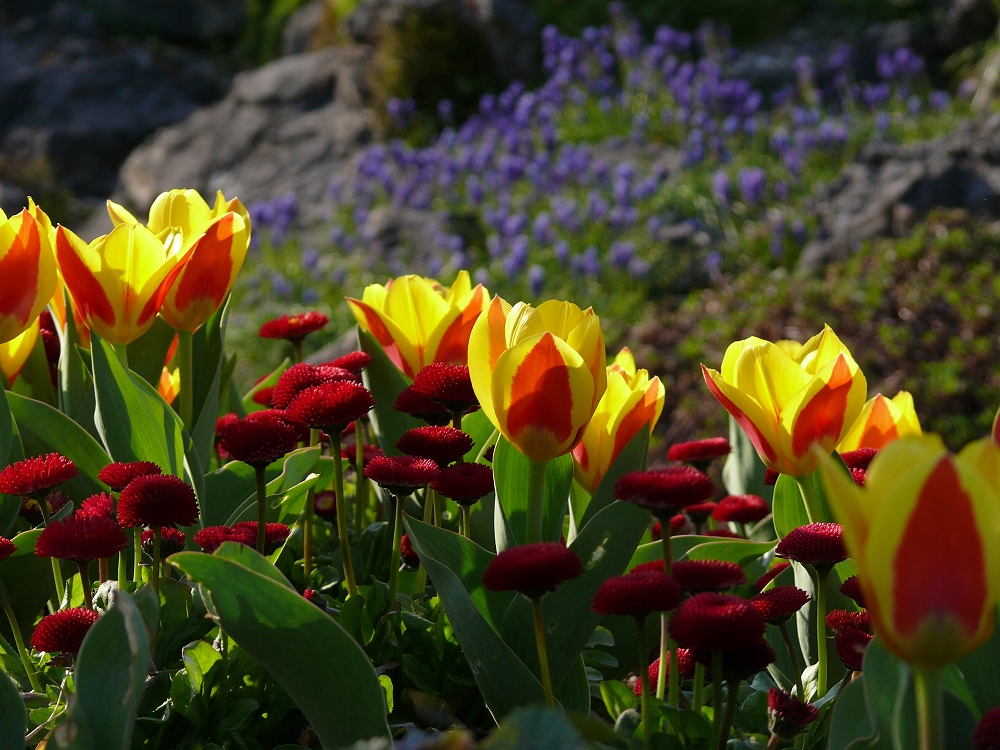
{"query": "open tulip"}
(119, 280)
(881, 421)
(14, 353)
(539, 373)
(790, 398)
(27, 269)
(632, 402)
(417, 321)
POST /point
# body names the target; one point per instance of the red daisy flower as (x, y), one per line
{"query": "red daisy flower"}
(665, 491)
(422, 407)
(699, 450)
(987, 733)
(81, 537)
(685, 662)
(465, 483)
(224, 421)
(259, 438)
(211, 538)
(859, 476)
(332, 406)
(532, 569)
(741, 509)
(851, 645)
(157, 500)
(294, 327)
(298, 377)
(63, 631)
(101, 504)
(819, 544)
(846, 619)
(275, 534)
(695, 576)
(7, 548)
(410, 556)
(263, 396)
(401, 475)
(314, 597)
(443, 445)
(50, 342)
(37, 474)
(118, 475)
(354, 362)
(699, 512)
(350, 452)
(772, 573)
(32, 512)
(171, 541)
(851, 588)
(325, 505)
(860, 458)
(716, 621)
(771, 477)
(449, 385)
(637, 594)
(787, 716)
(780, 603)
(739, 663)
(679, 524)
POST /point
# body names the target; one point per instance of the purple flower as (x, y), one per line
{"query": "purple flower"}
(536, 279)
(720, 188)
(939, 100)
(621, 253)
(752, 181)
(561, 251)
(310, 258)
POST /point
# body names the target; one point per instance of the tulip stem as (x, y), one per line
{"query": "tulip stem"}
(43, 505)
(184, 362)
(397, 550)
(822, 641)
(810, 498)
(84, 567)
(647, 692)
(536, 500)
(19, 641)
(342, 535)
(928, 686)
(361, 481)
(122, 351)
(794, 656)
(260, 474)
(157, 539)
(543, 654)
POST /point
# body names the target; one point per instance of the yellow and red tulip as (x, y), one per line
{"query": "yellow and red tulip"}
(417, 321)
(14, 353)
(881, 421)
(27, 269)
(789, 398)
(539, 373)
(632, 402)
(170, 384)
(924, 533)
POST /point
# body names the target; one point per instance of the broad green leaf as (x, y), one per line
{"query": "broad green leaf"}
(512, 470)
(228, 487)
(110, 671)
(743, 471)
(536, 728)
(74, 377)
(788, 506)
(617, 697)
(321, 667)
(148, 354)
(208, 363)
(851, 724)
(13, 715)
(10, 451)
(247, 401)
(28, 579)
(633, 457)
(250, 559)
(477, 426)
(679, 548)
(296, 468)
(386, 381)
(980, 671)
(574, 691)
(34, 380)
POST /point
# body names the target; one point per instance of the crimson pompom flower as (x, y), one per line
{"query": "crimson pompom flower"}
(263, 396)
(859, 476)
(685, 664)
(211, 538)
(443, 445)
(780, 603)
(860, 458)
(533, 569)
(787, 716)
(7, 548)
(819, 544)
(696, 576)
(987, 733)
(846, 619)
(679, 524)
(771, 477)
(224, 421)
(101, 504)
(699, 450)
(851, 588)
(294, 327)
(716, 621)
(421, 406)
(81, 537)
(157, 500)
(259, 438)
(741, 509)
(773, 572)
(352, 361)
(739, 663)
(171, 541)
(699, 512)
(331, 406)
(722, 534)
(410, 556)
(118, 475)
(63, 630)
(449, 385)
(401, 475)
(368, 452)
(851, 645)
(466, 483)
(325, 504)
(665, 491)
(30, 510)
(275, 534)
(33, 476)
(637, 594)
(300, 376)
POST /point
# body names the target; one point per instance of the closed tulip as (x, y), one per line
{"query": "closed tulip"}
(881, 421)
(790, 398)
(924, 534)
(27, 269)
(632, 402)
(417, 321)
(539, 373)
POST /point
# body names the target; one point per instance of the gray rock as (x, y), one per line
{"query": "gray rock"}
(12, 198)
(966, 22)
(307, 29)
(888, 187)
(179, 20)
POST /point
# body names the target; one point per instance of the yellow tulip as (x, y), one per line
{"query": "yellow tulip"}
(539, 373)
(632, 402)
(14, 353)
(170, 384)
(27, 269)
(881, 421)
(788, 399)
(417, 321)
(924, 534)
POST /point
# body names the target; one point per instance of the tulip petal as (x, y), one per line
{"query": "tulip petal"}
(587, 338)
(120, 215)
(14, 353)
(415, 307)
(21, 265)
(770, 375)
(449, 343)
(388, 335)
(732, 355)
(79, 264)
(486, 344)
(759, 425)
(184, 209)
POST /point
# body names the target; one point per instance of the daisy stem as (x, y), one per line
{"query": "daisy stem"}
(794, 656)
(43, 505)
(716, 698)
(732, 692)
(810, 498)
(157, 537)
(84, 566)
(259, 471)
(543, 655)
(536, 500)
(661, 678)
(647, 693)
(465, 522)
(698, 698)
(137, 555)
(19, 641)
(297, 349)
(361, 481)
(345, 542)
(397, 543)
(822, 642)
(184, 362)
(102, 569)
(307, 527)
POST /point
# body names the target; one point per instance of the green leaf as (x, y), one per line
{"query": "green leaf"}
(148, 354)
(13, 715)
(321, 667)
(512, 472)
(208, 363)
(788, 506)
(9, 504)
(74, 376)
(743, 472)
(479, 427)
(34, 380)
(633, 457)
(250, 559)
(110, 671)
(295, 469)
(980, 671)
(851, 725)
(536, 729)
(618, 697)
(28, 579)
(248, 403)
(386, 381)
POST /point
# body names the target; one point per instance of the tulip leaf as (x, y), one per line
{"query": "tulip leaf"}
(605, 546)
(28, 579)
(743, 471)
(788, 507)
(633, 457)
(295, 469)
(248, 403)
(385, 380)
(229, 487)
(316, 661)
(13, 715)
(479, 427)
(147, 355)
(35, 379)
(851, 725)
(503, 679)
(512, 476)
(980, 671)
(208, 362)
(10, 451)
